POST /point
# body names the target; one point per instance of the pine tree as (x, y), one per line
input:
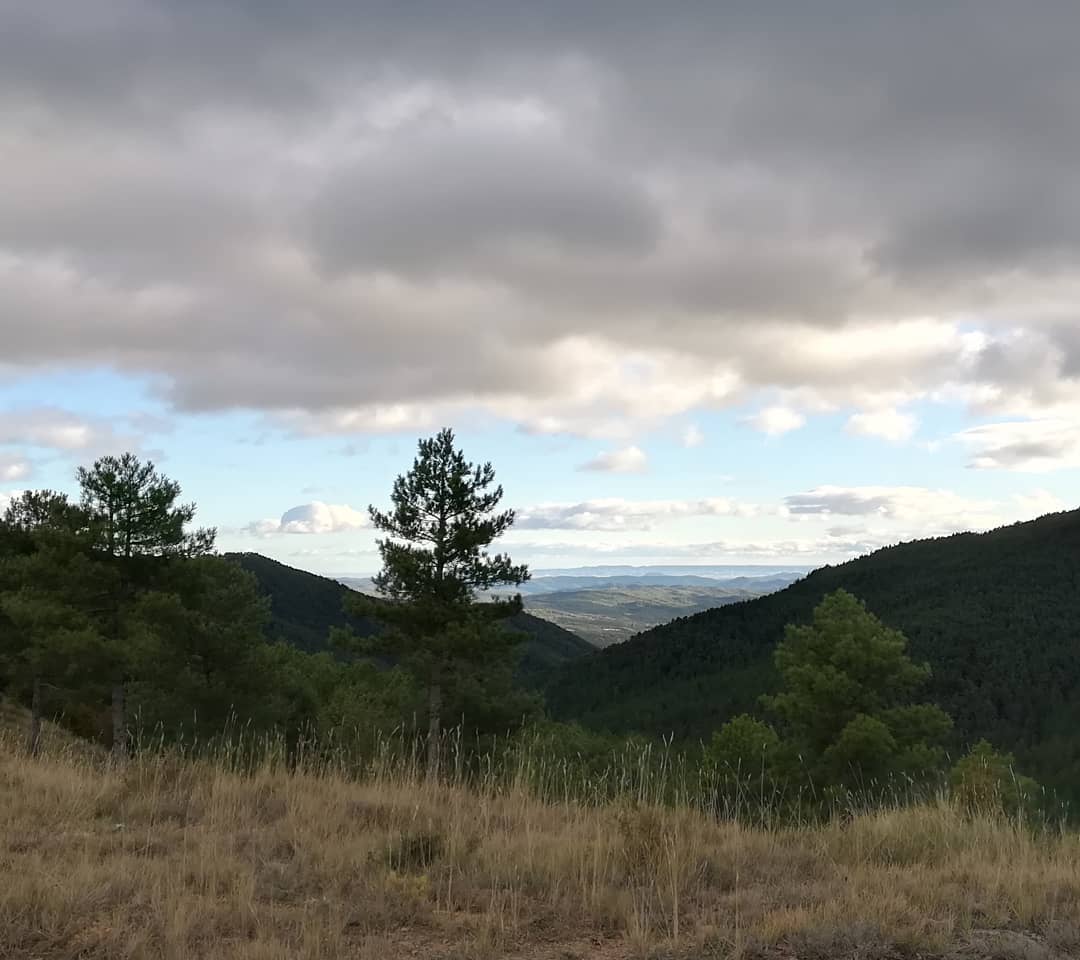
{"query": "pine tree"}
(435, 559)
(136, 523)
(47, 634)
(133, 511)
(845, 699)
(200, 635)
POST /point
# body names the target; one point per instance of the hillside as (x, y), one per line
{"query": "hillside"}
(304, 606)
(997, 616)
(614, 614)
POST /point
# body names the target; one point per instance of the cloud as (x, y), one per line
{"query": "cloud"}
(314, 517)
(1034, 446)
(692, 436)
(914, 505)
(776, 421)
(6, 496)
(889, 424)
(476, 189)
(626, 460)
(56, 429)
(618, 514)
(612, 216)
(1038, 503)
(14, 468)
(875, 516)
(810, 551)
(72, 434)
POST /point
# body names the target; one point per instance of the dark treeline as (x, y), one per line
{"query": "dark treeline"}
(115, 614)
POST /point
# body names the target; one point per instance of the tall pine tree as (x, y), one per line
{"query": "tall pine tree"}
(137, 525)
(435, 559)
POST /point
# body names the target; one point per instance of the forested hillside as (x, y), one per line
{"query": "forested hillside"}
(304, 607)
(996, 615)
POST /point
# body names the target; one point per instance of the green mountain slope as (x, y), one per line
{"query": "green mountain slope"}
(997, 616)
(303, 608)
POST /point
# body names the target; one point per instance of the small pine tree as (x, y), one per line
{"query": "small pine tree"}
(985, 782)
(743, 747)
(443, 518)
(847, 686)
(743, 756)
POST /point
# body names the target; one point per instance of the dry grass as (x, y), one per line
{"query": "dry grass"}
(178, 859)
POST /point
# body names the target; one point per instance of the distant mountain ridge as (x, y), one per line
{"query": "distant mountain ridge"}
(997, 616)
(543, 584)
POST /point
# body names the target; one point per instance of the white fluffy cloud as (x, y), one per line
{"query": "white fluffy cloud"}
(888, 424)
(314, 517)
(13, 468)
(777, 420)
(692, 436)
(617, 514)
(626, 460)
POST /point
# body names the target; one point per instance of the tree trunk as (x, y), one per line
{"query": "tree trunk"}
(119, 723)
(434, 719)
(33, 745)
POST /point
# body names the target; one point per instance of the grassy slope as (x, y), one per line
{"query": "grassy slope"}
(614, 614)
(304, 607)
(169, 859)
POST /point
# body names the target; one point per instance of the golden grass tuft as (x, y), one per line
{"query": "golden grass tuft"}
(176, 858)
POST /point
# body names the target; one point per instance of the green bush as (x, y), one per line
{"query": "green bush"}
(985, 781)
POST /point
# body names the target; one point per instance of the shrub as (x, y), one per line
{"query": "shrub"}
(985, 781)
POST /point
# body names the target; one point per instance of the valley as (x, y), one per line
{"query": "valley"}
(608, 605)
(613, 614)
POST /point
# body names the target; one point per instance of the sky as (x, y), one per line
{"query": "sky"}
(740, 282)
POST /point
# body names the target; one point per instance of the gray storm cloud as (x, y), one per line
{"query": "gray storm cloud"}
(365, 215)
